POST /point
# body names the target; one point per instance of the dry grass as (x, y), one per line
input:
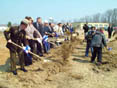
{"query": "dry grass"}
(4, 53)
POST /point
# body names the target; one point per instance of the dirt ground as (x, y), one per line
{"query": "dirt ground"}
(74, 71)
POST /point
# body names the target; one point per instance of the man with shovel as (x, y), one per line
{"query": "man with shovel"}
(98, 42)
(16, 35)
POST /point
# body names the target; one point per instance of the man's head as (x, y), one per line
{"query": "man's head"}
(101, 29)
(51, 24)
(60, 24)
(24, 23)
(29, 19)
(70, 24)
(92, 28)
(95, 28)
(110, 25)
(39, 20)
(98, 30)
(46, 23)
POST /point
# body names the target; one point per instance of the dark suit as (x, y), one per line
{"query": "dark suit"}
(86, 28)
(47, 29)
(110, 29)
(39, 27)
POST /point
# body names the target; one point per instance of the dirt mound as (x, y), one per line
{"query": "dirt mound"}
(60, 58)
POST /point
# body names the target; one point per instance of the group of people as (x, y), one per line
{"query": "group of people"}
(32, 37)
(96, 41)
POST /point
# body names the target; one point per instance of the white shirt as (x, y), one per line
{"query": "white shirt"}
(30, 31)
(58, 30)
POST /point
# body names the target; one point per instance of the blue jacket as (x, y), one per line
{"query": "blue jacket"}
(47, 29)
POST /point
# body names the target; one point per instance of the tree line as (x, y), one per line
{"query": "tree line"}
(110, 16)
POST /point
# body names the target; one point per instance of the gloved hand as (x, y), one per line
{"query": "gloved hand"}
(110, 48)
(39, 40)
(9, 41)
(26, 49)
(45, 39)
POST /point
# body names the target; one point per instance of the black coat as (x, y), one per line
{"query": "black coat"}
(86, 28)
(47, 29)
(110, 29)
(17, 36)
(39, 27)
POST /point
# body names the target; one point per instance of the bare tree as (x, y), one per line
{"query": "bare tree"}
(108, 15)
(75, 20)
(103, 18)
(114, 17)
(96, 17)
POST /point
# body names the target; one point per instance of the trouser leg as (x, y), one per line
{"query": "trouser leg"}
(48, 46)
(21, 58)
(34, 48)
(32, 44)
(13, 60)
(99, 58)
(39, 49)
(45, 47)
(109, 34)
(91, 50)
(94, 54)
(87, 50)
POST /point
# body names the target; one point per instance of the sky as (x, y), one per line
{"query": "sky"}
(16, 10)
